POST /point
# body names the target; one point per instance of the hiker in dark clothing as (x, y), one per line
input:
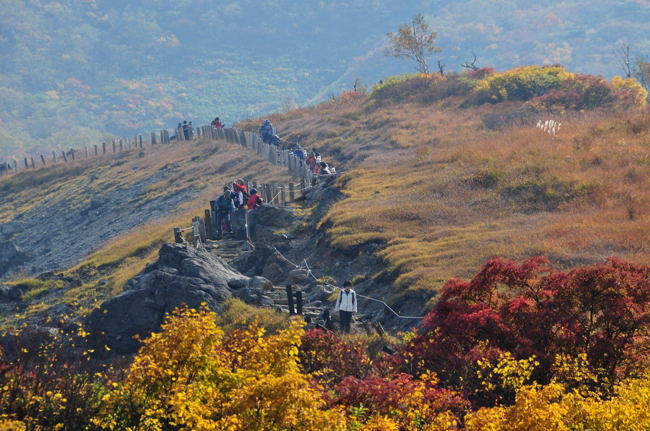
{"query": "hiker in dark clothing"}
(186, 131)
(267, 131)
(217, 124)
(223, 209)
(346, 305)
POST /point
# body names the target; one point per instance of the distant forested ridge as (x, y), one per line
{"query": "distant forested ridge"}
(76, 71)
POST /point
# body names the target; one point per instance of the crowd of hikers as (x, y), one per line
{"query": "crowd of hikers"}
(234, 197)
(312, 159)
(186, 129)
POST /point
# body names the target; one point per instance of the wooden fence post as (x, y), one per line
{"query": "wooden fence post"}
(15, 166)
(103, 147)
(95, 149)
(140, 141)
(178, 237)
(26, 163)
(202, 230)
(290, 299)
(53, 157)
(43, 160)
(86, 151)
(209, 230)
(65, 158)
(33, 165)
(121, 146)
(283, 193)
(196, 232)
(72, 153)
(292, 192)
(113, 146)
(299, 302)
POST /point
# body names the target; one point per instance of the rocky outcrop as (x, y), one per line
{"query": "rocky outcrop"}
(182, 275)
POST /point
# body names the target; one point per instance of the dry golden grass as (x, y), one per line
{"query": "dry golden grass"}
(204, 166)
(444, 194)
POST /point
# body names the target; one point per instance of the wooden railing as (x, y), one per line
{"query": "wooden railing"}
(250, 140)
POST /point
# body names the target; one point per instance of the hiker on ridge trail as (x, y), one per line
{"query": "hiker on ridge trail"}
(223, 208)
(217, 124)
(186, 131)
(241, 193)
(311, 160)
(267, 131)
(255, 200)
(346, 305)
(324, 169)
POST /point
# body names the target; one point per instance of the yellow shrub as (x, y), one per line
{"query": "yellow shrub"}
(11, 425)
(523, 83)
(550, 407)
(639, 95)
(192, 377)
(534, 410)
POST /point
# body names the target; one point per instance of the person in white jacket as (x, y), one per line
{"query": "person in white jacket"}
(346, 305)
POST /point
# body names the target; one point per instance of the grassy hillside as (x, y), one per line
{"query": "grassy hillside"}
(76, 71)
(444, 180)
(101, 221)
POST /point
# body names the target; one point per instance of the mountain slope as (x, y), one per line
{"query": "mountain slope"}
(78, 71)
(440, 192)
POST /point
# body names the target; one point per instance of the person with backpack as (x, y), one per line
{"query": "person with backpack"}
(311, 160)
(346, 305)
(267, 131)
(255, 200)
(241, 193)
(223, 209)
(217, 124)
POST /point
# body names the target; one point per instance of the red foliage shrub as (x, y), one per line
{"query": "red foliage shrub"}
(384, 395)
(528, 309)
(330, 359)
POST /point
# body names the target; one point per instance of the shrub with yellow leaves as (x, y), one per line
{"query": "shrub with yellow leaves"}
(552, 407)
(631, 92)
(192, 376)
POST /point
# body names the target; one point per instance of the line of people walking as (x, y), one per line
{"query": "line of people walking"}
(312, 159)
(234, 197)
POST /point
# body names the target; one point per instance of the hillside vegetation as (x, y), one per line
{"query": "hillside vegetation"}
(78, 71)
(100, 221)
(440, 173)
(446, 173)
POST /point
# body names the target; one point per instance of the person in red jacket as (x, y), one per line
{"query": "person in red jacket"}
(217, 124)
(255, 200)
(240, 186)
(241, 193)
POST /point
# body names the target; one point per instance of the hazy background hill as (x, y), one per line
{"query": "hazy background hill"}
(74, 71)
